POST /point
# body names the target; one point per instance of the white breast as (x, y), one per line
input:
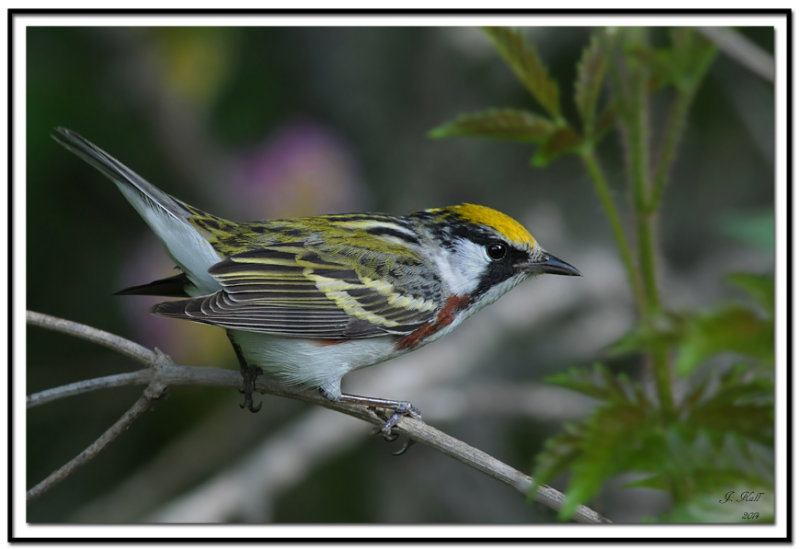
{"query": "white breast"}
(311, 363)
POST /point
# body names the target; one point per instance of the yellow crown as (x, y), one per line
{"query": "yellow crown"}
(505, 225)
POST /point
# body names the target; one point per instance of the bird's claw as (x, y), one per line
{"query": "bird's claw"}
(249, 375)
(409, 442)
(401, 409)
(248, 403)
(397, 409)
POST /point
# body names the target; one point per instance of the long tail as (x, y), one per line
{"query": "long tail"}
(167, 216)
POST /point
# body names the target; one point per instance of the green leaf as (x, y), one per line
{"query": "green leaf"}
(665, 333)
(760, 287)
(739, 401)
(610, 445)
(525, 62)
(753, 421)
(683, 64)
(590, 76)
(691, 56)
(697, 337)
(606, 121)
(756, 230)
(515, 125)
(688, 462)
(658, 64)
(722, 437)
(559, 453)
(607, 443)
(562, 141)
(734, 329)
(707, 468)
(600, 383)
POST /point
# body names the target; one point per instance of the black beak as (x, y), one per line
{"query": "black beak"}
(550, 264)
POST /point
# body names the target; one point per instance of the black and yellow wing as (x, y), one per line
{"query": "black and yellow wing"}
(299, 289)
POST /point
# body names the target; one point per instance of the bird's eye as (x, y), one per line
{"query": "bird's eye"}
(496, 251)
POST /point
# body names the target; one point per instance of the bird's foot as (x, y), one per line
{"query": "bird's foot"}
(249, 375)
(395, 409)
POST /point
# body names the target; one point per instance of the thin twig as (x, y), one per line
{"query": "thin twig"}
(114, 342)
(138, 408)
(163, 373)
(139, 377)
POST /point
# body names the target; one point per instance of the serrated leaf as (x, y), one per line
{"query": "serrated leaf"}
(590, 76)
(581, 380)
(739, 401)
(702, 464)
(511, 124)
(659, 64)
(610, 445)
(691, 55)
(665, 333)
(760, 287)
(600, 383)
(606, 121)
(733, 329)
(562, 141)
(754, 421)
(559, 453)
(710, 468)
(741, 382)
(682, 65)
(700, 391)
(704, 453)
(525, 62)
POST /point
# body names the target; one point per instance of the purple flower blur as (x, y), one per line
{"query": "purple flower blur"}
(301, 169)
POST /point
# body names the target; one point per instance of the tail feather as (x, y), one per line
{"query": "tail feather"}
(119, 173)
(167, 216)
(174, 286)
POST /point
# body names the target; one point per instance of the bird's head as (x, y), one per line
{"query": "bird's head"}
(485, 253)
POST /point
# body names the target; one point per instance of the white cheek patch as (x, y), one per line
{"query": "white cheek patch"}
(462, 268)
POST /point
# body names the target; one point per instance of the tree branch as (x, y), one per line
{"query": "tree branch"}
(139, 377)
(113, 342)
(162, 373)
(741, 49)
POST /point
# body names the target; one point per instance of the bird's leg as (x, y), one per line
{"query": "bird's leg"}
(249, 375)
(399, 408)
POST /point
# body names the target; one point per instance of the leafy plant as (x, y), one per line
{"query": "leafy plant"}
(716, 435)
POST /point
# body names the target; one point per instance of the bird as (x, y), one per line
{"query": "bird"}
(309, 299)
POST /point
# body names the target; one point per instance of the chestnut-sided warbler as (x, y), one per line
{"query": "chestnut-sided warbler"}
(311, 299)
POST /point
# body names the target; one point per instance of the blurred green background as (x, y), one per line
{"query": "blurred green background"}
(251, 123)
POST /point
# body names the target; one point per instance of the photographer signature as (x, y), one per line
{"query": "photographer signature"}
(745, 496)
